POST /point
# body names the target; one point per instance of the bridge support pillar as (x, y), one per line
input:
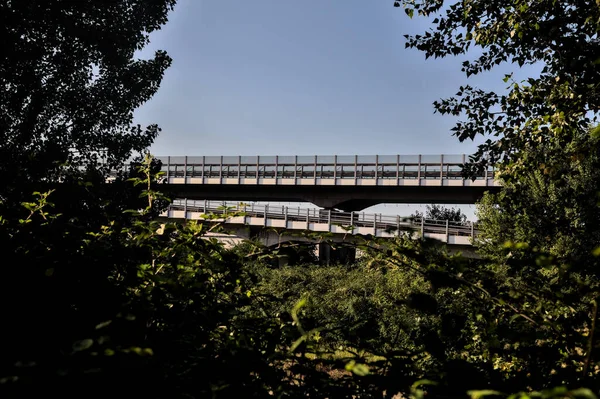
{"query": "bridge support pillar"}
(341, 254)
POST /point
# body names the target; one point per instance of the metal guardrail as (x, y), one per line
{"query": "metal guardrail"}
(388, 167)
(307, 217)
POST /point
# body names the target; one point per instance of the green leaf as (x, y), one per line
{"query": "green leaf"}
(360, 369)
(103, 324)
(83, 344)
(552, 393)
(423, 382)
(521, 245)
(478, 394)
(147, 352)
(583, 393)
(109, 352)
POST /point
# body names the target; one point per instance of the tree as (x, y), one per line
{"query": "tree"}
(538, 236)
(539, 282)
(136, 307)
(560, 37)
(559, 216)
(438, 212)
(70, 84)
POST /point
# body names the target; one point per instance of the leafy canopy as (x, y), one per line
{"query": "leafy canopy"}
(71, 81)
(439, 212)
(558, 36)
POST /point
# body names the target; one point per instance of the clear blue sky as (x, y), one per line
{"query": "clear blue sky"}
(268, 77)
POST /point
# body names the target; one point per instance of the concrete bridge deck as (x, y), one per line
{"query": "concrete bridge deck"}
(343, 182)
(341, 224)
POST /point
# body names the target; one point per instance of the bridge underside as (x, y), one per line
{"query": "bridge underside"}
(325, 252)
(346, 198)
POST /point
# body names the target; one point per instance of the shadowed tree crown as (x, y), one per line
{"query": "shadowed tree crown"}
(558, 38)
(71, 82)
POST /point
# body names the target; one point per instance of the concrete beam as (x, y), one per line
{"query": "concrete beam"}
(347, 198)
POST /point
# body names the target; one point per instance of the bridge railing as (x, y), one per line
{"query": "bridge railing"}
(319, 167)
(374, 221)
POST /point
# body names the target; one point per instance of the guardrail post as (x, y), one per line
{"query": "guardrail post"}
(205, 202)
(266, 210)
(202, 175)
(486, 175)
(422, 227)
(442, 169)
(185, 170)
(285, 215)
(315, 171)
(221, 170)
(352, 221)
(276, 168)
(257, 167)
(355, 169)
(307, 218)
(419, 171)
(375, 223)
(185, 208)
(447, 231)
(335, 170)
(168, 167)
(329, 220)
(295, 169)
(376, 169)
(239, 168)
(463, 162)
(397, 169)
(224, 208)
(398, 225)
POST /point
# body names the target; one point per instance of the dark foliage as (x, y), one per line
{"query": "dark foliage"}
(559, 37)
(102, 297)
(439, 212)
